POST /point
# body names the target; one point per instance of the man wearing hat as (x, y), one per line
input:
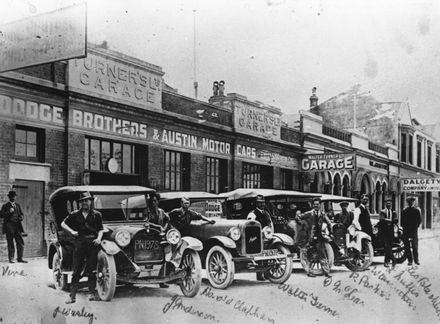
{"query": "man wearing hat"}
(387, 220)
(259, 214)
(345, 217)
(13, 216)
(411, 220)
(362, 220)
(85, 225)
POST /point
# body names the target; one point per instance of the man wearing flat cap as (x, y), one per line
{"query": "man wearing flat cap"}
(85, 225)
(387, 220)
(345, 217)
(411, 220)
(12, 218)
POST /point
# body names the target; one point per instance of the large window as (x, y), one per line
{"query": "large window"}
(177, 167)
(29, 144)
(216, 175)
(410, 149)
(429, 157)
(251, 175)
(98, 152)
(419, 153)
(286, 179)
(403, 148)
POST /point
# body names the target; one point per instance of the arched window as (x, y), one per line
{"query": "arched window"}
(366, 189)
(345, 186)
(378, 196)
(384, 194)
(337, 184)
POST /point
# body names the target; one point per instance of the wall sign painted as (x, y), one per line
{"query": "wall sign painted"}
(420, 184)
(30, 110)
(325, 162)
(105, 76)
(256, 121)
(272, 158)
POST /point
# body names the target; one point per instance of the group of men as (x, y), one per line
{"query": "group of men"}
(85, 225)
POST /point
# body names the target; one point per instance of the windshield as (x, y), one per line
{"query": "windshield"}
(120, 207)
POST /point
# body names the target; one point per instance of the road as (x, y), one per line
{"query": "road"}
(404, 295)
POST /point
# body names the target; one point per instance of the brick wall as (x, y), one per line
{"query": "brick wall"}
(238, 170)
(75, 164)
(155, 167)
(277, 178)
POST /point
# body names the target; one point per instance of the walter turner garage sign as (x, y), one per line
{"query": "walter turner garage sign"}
(325, 162)
(420, 184)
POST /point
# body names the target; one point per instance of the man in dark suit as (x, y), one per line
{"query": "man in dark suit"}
(260, 213)
(12, 218)
(411, 220)
(362, 220)
(318, 221)
(387, 220)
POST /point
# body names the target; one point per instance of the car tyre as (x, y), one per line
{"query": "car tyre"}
(191, 262)
(315, 267)
(60, 279)
(399, 253)
(105, 276)
(362, 263)
(282, 268)
(220, 268)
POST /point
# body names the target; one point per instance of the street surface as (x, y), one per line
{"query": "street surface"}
(404, 295)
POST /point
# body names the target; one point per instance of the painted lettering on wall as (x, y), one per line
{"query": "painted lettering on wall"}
(249, 152)
(257, 121)
(323, 162)
(104, 123)
(105, 76)
(30, 110)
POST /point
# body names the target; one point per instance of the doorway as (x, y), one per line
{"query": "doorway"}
(30, 196)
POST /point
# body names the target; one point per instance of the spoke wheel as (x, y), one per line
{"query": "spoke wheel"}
(219, 267)
(106, 276)
(359, 261)
(59, 278)
(281, 268)
(399, 252)
(310, 259)
(190, 285)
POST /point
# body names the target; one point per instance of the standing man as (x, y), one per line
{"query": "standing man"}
(12, 218)
(345, 217)
(157, 215)
(85, 225)
(411, 220)
(317, 218)
(181, 217)
(387, 220)
(259, 214)
(362, 220)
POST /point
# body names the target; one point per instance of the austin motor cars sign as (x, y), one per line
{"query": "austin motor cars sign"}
(325, 162)
(49, 37)
(420, 184)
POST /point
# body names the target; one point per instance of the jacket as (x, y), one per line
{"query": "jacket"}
(7, 215)
(387, 222)
(411, 220)
(309, 217)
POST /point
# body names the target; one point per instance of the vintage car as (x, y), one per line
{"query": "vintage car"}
(282, 205)
(133, 251)
(234, 245)
(332, 207)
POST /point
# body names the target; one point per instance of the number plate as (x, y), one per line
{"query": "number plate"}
(146, 245)
(267, 253)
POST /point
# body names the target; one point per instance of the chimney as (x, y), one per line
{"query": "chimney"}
(313, 99)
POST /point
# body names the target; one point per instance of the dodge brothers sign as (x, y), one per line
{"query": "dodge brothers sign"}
(420, 184)
(325, 162)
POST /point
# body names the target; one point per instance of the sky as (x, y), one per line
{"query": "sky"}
(275, 51)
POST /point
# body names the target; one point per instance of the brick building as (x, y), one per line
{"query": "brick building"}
(110, 119)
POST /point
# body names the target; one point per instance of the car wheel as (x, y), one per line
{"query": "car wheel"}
(191, 263)
(105, 276)
(310, 260)
(281, 268)
(361, 261)
(59, 278)
(399, 253)
(219, 267)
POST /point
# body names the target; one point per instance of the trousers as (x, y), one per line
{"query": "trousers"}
(411, 247)
(84, 252)
(317, 247)
(13, 233)
(388, 249)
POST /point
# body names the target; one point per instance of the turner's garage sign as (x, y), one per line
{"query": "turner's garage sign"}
(420, 184)
(326, 162)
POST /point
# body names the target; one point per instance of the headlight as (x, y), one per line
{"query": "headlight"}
(173, 236)
(267, 232)
(235, 233)
(122, 238)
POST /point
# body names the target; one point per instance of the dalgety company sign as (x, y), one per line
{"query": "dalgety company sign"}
(326, 162)
(420, 184)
